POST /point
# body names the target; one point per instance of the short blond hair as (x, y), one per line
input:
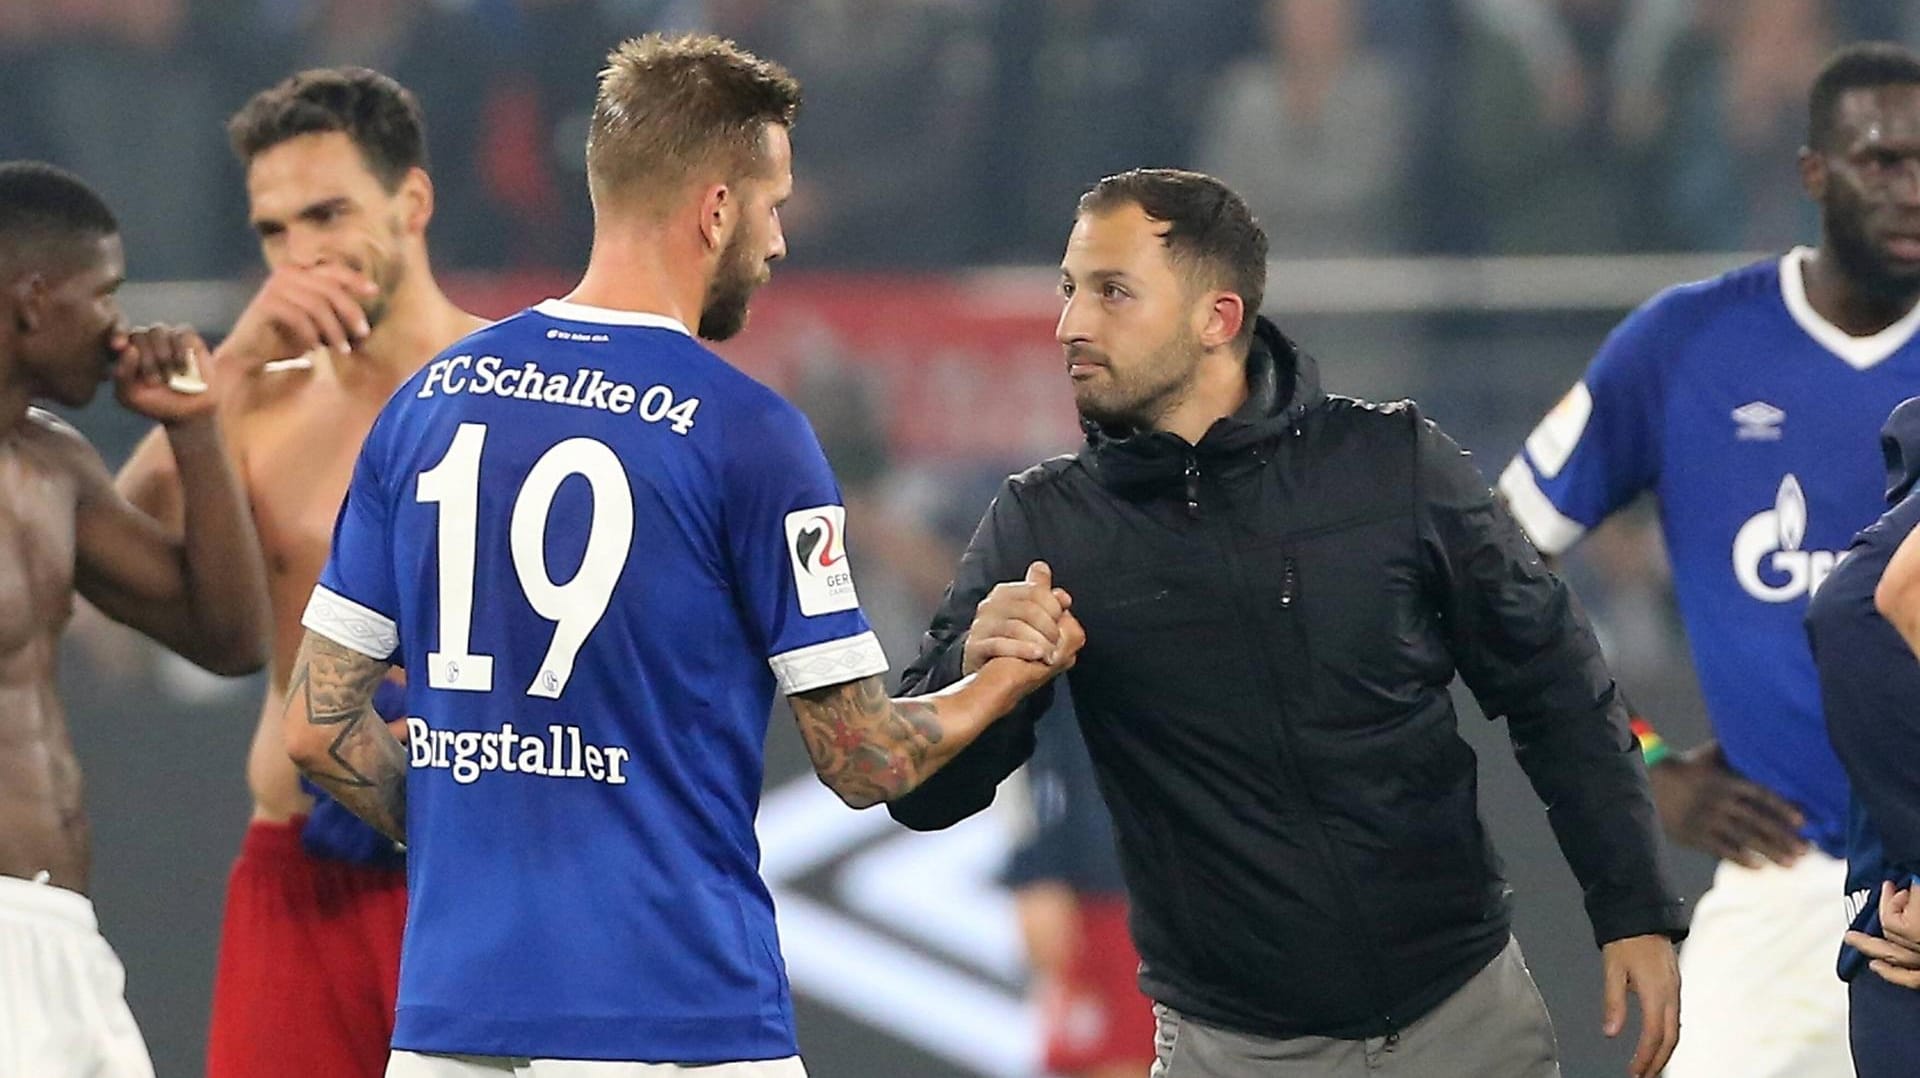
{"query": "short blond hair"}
(671, 108)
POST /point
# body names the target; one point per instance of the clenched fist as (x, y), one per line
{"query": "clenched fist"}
(162, 373)
(1021, 620)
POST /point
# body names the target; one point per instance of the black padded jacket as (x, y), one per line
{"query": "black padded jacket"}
(1273, 618)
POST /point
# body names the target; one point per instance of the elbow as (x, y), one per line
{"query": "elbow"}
(248, 655)
(923, 814)
(237, 659)
(225, 655)
(1886, 598)
(306, 744)
(231, 646)
(856, 793)
(1895, 600)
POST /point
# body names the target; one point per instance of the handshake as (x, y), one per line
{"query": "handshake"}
(1026, 629)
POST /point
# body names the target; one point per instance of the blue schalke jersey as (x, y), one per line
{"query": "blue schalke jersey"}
(597, 549)
(1756, 424)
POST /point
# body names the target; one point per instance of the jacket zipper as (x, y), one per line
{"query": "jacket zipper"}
(1290, 760)
(1289, 594)
(1193, 485)
(1290, 755)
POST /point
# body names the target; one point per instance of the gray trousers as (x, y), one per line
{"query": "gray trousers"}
(1495, 1026)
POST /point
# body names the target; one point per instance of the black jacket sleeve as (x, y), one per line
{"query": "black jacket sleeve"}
(1001, 550)
(1526, 650)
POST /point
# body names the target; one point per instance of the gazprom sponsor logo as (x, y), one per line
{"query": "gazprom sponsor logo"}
(1767, 556)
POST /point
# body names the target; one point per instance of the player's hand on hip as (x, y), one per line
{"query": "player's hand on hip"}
(298, 309)
(1894, 955)
(162, 374)
(1647, 967)
(1019, 619)
(1703, 804)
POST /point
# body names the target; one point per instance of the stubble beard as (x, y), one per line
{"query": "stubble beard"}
(1140, 399)
(725, 312)
(1859, 262)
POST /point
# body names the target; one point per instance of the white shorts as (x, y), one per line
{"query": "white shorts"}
(1758, 994)
(404, 1064)
(63, 1007)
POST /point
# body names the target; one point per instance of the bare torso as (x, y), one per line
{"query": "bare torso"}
(43, 823)
(298, 434)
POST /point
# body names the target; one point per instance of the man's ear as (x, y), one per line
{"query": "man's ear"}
(416, 200)
(719, 216)
(1225, 316)
(29, 298)
(1813, 173)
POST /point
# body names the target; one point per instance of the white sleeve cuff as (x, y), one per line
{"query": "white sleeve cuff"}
(351, 625)
(835, 662)
(1552, 531)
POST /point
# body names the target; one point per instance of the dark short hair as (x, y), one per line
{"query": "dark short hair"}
(1210, 229)
(45, 210)
(381, 117)
(1863, 66)
(671, 106)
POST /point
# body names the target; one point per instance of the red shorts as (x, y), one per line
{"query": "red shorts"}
(1096, 1016)
(309, 963)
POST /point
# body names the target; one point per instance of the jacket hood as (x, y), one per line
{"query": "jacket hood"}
(1283, 381)
(1900, 448)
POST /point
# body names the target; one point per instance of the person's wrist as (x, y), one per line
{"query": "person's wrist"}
(233, 361)
(994, 678)
(1000, 686)
(194, 428)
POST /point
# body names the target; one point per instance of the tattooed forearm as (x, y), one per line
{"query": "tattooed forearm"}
(339, 741)
(866, 747)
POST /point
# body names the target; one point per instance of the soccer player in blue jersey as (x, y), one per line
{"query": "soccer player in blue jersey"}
(1750, 406)
(598, 549)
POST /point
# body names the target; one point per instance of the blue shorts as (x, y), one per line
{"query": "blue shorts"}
(1883, 1026)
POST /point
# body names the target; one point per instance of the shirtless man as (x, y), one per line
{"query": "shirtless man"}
(339, 196)
(199, 590)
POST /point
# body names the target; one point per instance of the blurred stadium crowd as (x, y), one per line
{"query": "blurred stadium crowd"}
(943, 132)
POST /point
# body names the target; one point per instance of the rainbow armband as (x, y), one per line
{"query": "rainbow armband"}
(1653, 748)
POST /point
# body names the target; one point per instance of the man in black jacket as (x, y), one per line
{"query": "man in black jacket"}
(1277, 587)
